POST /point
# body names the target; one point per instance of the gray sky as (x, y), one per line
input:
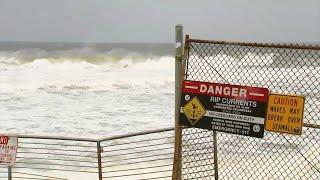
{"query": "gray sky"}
(154, 20)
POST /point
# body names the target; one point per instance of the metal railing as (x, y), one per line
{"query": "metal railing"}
(144, 155)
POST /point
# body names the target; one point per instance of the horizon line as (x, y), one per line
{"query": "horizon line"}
(86, 42)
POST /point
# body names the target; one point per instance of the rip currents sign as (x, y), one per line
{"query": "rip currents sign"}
(227, 108)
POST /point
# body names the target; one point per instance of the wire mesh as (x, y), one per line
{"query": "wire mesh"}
(197, 154)
(143, 156)
(284, 69)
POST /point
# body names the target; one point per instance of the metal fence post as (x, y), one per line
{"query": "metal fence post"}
(99, 160)
(215, 155)
(9, 173)
(176, 172)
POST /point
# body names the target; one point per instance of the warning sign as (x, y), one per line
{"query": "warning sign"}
(224, 107)
(8, 150)
(285, 114)
(194, 110)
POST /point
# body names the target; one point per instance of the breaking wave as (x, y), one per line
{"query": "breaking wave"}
(23, 52)
(68, 74)
(74, 55)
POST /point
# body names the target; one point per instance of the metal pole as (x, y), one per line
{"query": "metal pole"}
(176, 173)
(215, 156)
(99, 160)
(9, 173)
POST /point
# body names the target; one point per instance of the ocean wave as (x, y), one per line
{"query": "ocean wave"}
(88, 54)
(75, 87)
(43, 74)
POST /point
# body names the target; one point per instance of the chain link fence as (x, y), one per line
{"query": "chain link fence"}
(283, 69)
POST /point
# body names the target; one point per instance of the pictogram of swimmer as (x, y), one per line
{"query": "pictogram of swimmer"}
(194, 107)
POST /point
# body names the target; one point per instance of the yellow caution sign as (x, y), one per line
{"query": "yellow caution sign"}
(285, 114)
(194, 110)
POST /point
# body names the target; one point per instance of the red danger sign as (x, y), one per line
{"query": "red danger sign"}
(226, 90)
(228, 108)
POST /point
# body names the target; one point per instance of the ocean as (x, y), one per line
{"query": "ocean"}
(85, 89)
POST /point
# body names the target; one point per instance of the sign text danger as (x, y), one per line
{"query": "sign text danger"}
(223, 90)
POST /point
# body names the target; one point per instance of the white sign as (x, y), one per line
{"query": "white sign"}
(8, 150)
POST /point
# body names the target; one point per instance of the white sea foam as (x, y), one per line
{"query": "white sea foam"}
(45, 72)
(59, 98)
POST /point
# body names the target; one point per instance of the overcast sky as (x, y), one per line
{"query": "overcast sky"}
(154, 20)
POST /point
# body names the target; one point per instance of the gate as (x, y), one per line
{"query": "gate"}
(283, 69)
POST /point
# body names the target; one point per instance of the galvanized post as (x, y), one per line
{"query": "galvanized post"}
(176, 173)
(99, 160)
(215, 155)
(9, 173)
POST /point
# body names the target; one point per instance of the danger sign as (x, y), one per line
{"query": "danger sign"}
(8, 150)
(224, 107)
(285, 114)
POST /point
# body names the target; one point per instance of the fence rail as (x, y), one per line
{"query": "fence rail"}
(142, 155)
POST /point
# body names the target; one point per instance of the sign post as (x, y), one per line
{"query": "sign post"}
(9, 173)
(224, 107)
(177, 166)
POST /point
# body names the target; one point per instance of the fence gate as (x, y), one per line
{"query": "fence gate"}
(283, 69)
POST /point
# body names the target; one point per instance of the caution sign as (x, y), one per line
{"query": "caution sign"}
(194, 110)
(224, 107)
(8, 150)
(285, 114)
